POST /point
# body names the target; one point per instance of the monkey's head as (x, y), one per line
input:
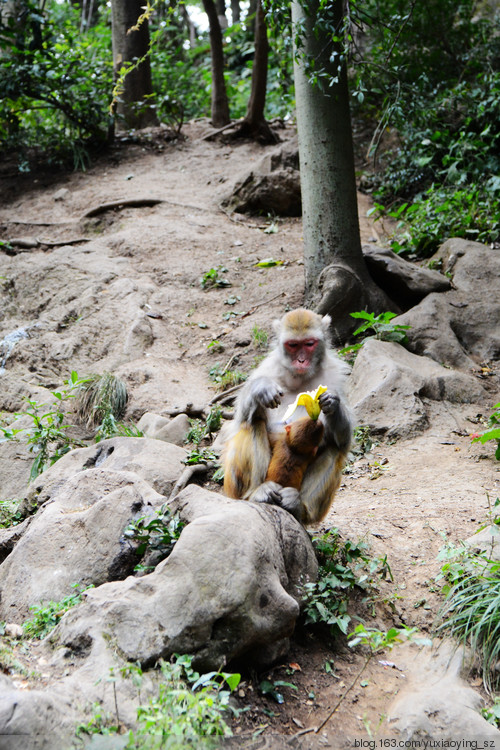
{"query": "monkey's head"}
(302, 339)
(304, 436)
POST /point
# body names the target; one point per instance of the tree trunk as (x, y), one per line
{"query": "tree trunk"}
(220, 105)
(254, 125)
(132, 107)
(337, 280)
(235, 11)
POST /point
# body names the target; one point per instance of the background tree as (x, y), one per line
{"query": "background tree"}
(337, 279)
(220, 104)
(131, 50)
(254, 124)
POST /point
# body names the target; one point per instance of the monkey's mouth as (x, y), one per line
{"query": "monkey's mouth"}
(301, 366)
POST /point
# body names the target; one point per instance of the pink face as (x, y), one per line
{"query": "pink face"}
(301, 352)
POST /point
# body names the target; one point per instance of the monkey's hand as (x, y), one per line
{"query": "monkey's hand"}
(274, 494)
(329, 403)
(268, 492)
(290, 501)
(267, 393)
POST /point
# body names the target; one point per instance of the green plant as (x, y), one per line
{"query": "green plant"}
(159, 532)
(54, 85)
(491, 434)
(273, 689)
(492, 713)
(260, 337)
(9, 514)
(343, 568)
(100, 396)
(46, 616)
(187, 707)
(101, 722)
(47, 436)
(101, 403)
(382, 327)
(212, 278)
(471, 610)
(226, 378)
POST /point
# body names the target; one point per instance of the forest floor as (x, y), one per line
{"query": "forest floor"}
(406, 500)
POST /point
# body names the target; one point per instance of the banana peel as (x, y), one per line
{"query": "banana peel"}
(309, 400)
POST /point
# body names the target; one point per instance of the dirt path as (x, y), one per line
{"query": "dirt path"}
(404, 499)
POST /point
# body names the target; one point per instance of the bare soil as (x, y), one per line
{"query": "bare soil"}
(404, 499)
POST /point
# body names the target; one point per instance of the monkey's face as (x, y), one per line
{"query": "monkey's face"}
(301, 354)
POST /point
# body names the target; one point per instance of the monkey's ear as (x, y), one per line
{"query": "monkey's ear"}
(277, 326)
(326, 322)
(288, 427)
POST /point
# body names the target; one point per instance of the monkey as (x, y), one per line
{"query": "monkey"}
(293, 450)
(300, 361)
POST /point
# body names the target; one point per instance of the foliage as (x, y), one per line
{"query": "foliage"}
(9, 514)
(439, 175)
(102, 722)
(226, 378)
(493, 433)
(492, 713)
(383, 329)
(273, 689)
(378, 640)
(47, 437)
(471, 611)
(344, 567)
(260, 337)
(99, 396)
(156, 533)
(188, 707)
(46, 616)
(212, 278)
(54, 83)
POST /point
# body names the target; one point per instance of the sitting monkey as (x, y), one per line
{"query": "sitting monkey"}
(300, 361)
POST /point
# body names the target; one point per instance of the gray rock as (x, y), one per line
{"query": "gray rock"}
(404, 282)
(230, 588)
(462, 327)
(159, 464)
(76, 537)
(388, 386)
(437, 703)
(277, 192)
(160, 428)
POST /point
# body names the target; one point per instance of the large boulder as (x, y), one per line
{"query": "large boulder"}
(388, 387)
(160, 464)
(230, 588)
(404, 282)
(462, 327)
(77, 537)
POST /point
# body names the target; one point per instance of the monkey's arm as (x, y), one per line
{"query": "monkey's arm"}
(258, 394)
(338, 419)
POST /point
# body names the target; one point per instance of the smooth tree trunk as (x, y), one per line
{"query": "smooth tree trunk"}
(220, 104)
(336, 278)
(133, 107)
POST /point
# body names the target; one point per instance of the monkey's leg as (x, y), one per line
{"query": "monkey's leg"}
(320, 484)
(246, 459)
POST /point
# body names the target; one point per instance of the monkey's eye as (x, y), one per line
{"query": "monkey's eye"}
(310, 344)
(292, 345)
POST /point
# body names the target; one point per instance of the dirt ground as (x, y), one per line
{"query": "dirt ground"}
(404, 499)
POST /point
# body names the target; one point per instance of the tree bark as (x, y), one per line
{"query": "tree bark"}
(337, 280)
(254, 124)
(132, 106)
(220, 105)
